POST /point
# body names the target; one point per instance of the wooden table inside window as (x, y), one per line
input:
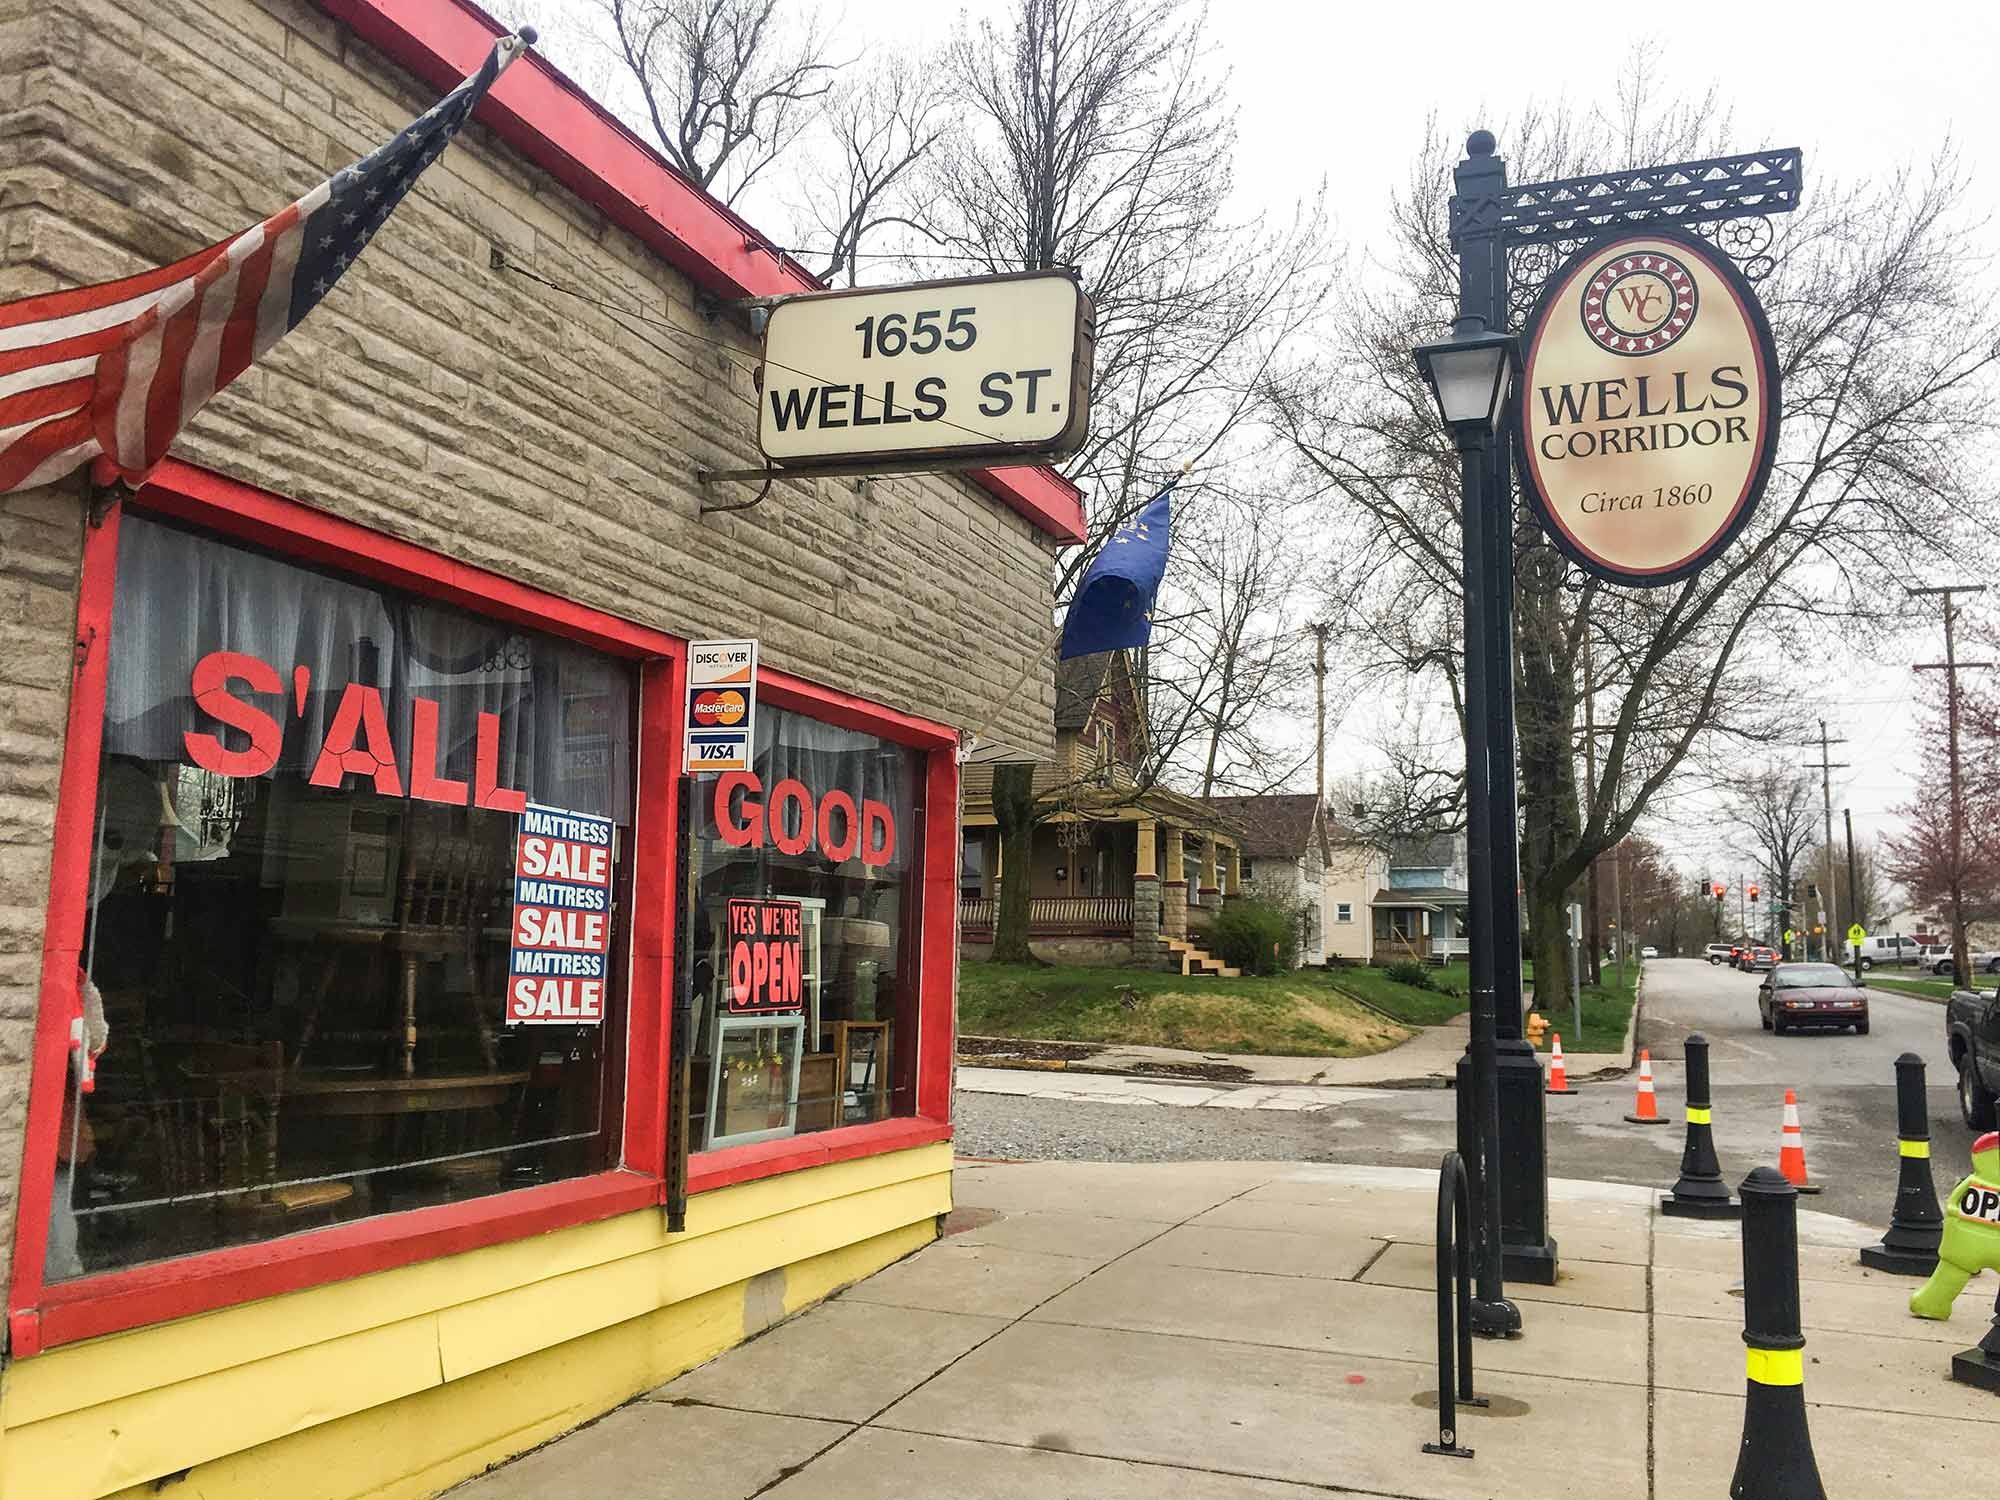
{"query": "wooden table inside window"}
(346, 1094)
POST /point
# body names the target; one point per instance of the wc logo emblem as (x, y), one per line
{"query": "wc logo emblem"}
(1639, 304)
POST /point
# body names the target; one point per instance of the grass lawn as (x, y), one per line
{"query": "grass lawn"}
(1298, 1014)
(1605, 1008)
(1929, 988)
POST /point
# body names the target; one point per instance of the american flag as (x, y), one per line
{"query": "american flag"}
(116, 370)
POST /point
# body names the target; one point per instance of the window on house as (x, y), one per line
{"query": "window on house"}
(972, 867)
(1248, 873)
(1343, 912)
(357, 908)
(806, 874)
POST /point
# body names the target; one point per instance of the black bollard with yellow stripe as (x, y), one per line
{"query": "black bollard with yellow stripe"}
(1700, 1193)
(1916, 1224)
(1775, 1460)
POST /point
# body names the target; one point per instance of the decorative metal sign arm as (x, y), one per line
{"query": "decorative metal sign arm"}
(1689, 192)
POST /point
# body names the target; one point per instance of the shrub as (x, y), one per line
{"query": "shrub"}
(1409, 971)
(1254, 936)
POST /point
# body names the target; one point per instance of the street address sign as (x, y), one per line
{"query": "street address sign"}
(1648, 418)
(936, 374)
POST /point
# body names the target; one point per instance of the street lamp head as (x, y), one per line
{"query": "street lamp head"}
(1470, 375)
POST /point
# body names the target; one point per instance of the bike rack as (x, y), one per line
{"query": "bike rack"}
(1454, 1264)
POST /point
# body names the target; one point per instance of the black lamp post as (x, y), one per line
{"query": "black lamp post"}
(1471, 375)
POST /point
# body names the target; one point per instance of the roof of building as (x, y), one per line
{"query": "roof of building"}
(1430, 896)
(542, 114)
(1276, 823)
(1079, 684)
(1437, 852)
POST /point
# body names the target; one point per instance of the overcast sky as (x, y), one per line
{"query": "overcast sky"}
(1344, 91)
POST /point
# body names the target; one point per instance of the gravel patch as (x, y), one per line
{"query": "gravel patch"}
(1001, 1125)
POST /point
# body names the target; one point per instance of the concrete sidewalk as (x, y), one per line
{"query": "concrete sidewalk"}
(1265, 1331)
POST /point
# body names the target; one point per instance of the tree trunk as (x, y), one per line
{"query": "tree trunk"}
(1014, 811)
(1548, 945)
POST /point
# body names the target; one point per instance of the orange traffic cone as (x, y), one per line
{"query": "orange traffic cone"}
(1558, 1077)
(1647, 1110)
(1792, 1147)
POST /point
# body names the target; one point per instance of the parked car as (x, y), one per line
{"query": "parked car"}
(1982, 963)
(1760, 959)
(1649, 951)
(1972, 1036)
(1796, 995)
(1886, 950)
(1719, 953)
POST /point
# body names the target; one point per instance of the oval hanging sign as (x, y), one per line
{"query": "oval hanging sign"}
(1649, 406)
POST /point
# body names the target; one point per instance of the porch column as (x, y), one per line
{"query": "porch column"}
(1234, 885)
(1145, 891)
(1173, 890)
(1211, 873)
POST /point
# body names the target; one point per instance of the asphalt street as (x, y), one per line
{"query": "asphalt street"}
(1845, 1083)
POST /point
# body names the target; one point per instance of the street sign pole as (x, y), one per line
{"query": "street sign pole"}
(1501, 1099)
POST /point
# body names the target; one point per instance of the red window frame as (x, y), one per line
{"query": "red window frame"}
(42, 1316)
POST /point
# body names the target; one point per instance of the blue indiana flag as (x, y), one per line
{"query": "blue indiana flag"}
(1113, 606)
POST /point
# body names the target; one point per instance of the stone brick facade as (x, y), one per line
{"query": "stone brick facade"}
(437, 399)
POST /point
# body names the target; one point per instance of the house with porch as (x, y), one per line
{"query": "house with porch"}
(1298, 856)
(1420, 910)
(1120, 874)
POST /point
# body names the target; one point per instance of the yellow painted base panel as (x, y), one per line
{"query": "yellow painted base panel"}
(403, 1383)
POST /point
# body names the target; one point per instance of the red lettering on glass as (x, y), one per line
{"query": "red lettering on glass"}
(871, 830)
(783, 796)
(842, 849)
(878, 834)
(210, 684)
(486, 771)
(425, 783)
(360, 714)
(748, 834)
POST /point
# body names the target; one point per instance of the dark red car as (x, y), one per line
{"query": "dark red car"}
(1799, 995)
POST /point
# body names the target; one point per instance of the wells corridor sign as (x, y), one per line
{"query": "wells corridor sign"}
(1649, 405)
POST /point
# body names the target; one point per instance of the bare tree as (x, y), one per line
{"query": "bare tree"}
(880, 126)
(1095, 136)
(1884, 344)
(728, 85)
(1775, 808)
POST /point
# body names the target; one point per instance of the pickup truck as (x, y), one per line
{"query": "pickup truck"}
(1972, 1033)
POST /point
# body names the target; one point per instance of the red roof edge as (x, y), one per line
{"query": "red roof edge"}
(539, 112)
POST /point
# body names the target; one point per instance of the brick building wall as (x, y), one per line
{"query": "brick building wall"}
(437, 399)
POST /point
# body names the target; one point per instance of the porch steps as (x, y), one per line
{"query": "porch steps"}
(1195, 963)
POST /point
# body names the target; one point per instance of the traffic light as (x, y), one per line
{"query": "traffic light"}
(1719, 890)
(1753, 890)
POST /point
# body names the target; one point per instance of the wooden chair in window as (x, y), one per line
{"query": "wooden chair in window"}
(441, 904)
(239, 1092)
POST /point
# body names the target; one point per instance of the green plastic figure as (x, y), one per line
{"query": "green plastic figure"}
(1971, 1233)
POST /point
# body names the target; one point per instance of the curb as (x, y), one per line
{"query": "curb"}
(1032, 1065)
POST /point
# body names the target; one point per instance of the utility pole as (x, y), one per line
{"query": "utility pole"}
(1853, 885)
(1596, 943)
(1961, 958)
(1826, 770)
(1320, 631)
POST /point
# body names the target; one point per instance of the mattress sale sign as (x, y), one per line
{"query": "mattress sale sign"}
(1648, 412)
(559, 957)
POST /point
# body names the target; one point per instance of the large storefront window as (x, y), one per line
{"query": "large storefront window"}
(805, 969)
(357, 913)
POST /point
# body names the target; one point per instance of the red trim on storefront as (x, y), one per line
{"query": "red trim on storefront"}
(246, 1273)
(541, 114)
(937, 1024)
(42, 1316)
(62, 930)
(734, 1164)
